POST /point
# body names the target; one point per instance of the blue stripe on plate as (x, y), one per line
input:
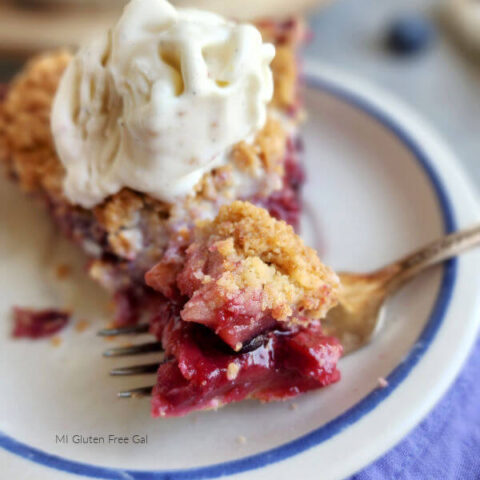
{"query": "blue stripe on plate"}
(350, 416)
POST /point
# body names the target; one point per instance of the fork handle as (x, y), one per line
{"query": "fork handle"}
(399, 272)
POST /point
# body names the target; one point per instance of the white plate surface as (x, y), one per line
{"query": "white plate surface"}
(380, 183)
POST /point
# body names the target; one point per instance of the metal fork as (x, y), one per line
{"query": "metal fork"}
(150, 347)
(355, 321)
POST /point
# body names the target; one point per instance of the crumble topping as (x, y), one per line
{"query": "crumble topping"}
(56, 341)
(26, 142)
(242, 440)
(382, 383)
(284, 65)
(120, 211)
(243, 273)
(232, 370)
(63, 271)
(81, 325)
(259, 252)
(265, 153)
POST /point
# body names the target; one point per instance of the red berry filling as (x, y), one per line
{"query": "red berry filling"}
(202, 373)
(31, 323)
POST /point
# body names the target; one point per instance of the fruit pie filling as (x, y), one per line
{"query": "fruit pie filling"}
(240, 318)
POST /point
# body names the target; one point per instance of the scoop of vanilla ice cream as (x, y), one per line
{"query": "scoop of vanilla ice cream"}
(158, 101)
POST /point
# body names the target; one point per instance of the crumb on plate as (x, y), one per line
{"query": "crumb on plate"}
(82, 325)
(241, 440)
(63, 271)
(382, 383)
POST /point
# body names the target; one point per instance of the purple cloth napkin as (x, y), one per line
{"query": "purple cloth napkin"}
(446, 445)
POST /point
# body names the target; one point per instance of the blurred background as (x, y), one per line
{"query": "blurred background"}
(427, 52)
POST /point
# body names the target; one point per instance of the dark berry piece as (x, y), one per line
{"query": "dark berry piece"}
(408, 35)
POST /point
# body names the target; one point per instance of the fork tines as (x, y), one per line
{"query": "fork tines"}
(133, 350)
(136, 392)
(149, 347)
(135, 369)
(138, 370)
(129, 330)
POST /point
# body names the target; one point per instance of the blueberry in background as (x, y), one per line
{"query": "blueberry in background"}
(409, 34)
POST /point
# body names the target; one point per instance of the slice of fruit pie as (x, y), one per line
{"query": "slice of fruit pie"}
(168, 150)
(241, 315)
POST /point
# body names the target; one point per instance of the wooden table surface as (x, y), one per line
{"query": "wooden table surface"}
(24, 31)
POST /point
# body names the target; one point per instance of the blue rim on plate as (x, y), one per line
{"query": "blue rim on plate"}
(344, 420)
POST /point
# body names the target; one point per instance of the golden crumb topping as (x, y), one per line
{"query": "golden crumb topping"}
(267, 151)
(286, 38)
(260, 252)
(27, 144)
(284, 66)
(120, 211)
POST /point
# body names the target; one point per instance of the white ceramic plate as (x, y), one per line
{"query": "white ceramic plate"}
(379, 184)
